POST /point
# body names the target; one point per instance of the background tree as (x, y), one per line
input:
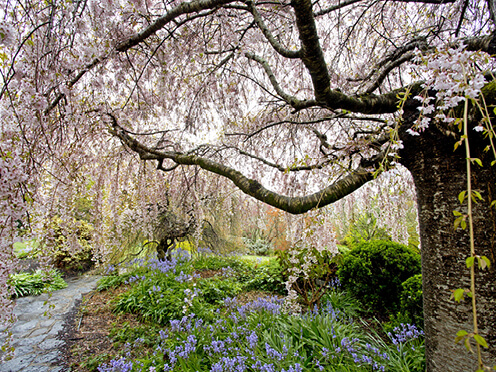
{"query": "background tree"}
(306, 98)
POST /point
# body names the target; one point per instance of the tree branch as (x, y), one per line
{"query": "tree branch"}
(268, 35)
(291, 100)
(294, 205)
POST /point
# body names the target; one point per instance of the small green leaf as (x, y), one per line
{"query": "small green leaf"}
(470, 261)
(493, 162)
(458, 295)
(486, 261)
(456, 213)
(480, 340)
(461, 198)
(477, 160)
(460, 335)
(493, 203)
(467, 345)
(458, 221)
(477, 194)
(463, 224)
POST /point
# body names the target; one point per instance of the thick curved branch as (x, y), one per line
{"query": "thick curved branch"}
(294, 205)
(314, 61)
(313, 57)
(268, 35)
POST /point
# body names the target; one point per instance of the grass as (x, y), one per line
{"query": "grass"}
(195, 316)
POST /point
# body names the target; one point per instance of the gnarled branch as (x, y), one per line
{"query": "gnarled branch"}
(294, 205)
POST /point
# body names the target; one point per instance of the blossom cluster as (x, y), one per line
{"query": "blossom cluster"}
(455, 77)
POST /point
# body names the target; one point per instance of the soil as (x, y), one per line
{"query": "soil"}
(87, 328)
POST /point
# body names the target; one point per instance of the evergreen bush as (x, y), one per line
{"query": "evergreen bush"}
(374, 272)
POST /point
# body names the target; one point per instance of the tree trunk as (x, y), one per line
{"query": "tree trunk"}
(440, 175)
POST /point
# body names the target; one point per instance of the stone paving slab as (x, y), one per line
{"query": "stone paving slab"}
(39, 320)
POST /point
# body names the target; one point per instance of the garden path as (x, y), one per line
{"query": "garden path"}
(39, 320)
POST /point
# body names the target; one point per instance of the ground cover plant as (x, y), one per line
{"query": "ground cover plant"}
(36, 283)
(201, 320)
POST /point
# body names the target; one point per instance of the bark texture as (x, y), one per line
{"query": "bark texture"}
(440, 176)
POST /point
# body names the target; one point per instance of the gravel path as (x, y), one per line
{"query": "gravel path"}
(39, 321)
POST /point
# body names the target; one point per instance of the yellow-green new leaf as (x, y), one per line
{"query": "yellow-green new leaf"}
(467, 345)
(480, 340)
(461, 198)
(476, 194)
(470, 261)
(458, 295)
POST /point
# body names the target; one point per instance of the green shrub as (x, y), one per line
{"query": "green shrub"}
(62, 254)
(258, 246)
(34, 284)
(212, 262)
(411, 300)
(374, 271)
(267, 277)
(363, 230)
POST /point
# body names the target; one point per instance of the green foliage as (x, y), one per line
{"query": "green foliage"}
(258, 246)
(148, 334)
(374, 271)
(112, 281)
(365, 229)
(158, 298)
(62, 254)
(342, 301)
(34, 284)
(212, 262)
(217, 332)
(411, 300)
(215, 290)
(267, 277)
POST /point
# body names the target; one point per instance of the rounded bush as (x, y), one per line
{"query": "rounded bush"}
(411, 300)
(374, 271)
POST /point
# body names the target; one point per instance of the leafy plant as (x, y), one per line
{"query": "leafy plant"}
(267, 277)
(26, 284)
(411, 302)
(374, 271)
(258, 246)
(215, 290)
(365, 229)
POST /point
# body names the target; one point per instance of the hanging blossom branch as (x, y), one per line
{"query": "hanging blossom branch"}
(182, 9)
(295, 205)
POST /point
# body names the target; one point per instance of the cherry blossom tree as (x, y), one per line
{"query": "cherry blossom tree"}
(298, 103)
